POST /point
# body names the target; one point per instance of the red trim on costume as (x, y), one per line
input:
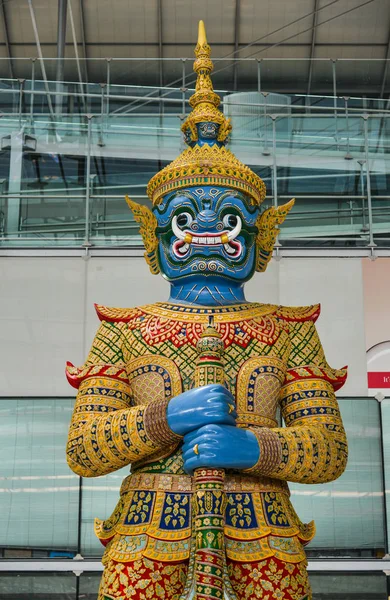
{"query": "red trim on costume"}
(299, 313)
(208, 358)
(114, 315)
(76, 375)
(336, 378)
(105, 542)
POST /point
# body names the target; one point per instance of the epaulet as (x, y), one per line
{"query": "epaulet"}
(336, 377)
(299, 313)
(115, 315)
(75, 375)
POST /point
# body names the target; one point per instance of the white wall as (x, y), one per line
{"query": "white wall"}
(338, 285)
(47, 314)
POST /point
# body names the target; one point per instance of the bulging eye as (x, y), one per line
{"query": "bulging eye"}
(184, 220)
(230, 220)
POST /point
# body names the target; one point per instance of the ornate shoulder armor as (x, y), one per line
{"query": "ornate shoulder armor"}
(115, 315)
(299, 314)
(307, 358)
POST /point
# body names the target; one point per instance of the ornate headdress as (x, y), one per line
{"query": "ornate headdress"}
(206, 129)
(208, 162)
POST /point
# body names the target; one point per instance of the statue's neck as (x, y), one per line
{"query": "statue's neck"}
(207, 291)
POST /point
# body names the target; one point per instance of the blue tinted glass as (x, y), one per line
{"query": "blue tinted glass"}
(349, 512)
(38, 492)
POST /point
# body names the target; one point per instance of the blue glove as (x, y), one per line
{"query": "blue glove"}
(220, 446)
(201, 406)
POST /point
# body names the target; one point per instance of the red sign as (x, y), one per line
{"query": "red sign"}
(379, 379)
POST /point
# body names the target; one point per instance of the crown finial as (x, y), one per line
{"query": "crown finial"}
(202, 39)
(206, 124)
(206, 129)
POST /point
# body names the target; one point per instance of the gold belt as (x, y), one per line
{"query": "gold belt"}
(184, 483)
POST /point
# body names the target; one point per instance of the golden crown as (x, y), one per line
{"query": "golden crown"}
(211, 163)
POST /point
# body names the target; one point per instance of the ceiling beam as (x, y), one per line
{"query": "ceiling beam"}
(40, 56)
(83, 39)
(6, 37)
(312, 46)
(237, 17)
(385, 68)
(160, 42)
(215, 44)
(61, 39)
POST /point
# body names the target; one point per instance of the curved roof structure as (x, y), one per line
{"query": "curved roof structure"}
(275, 31)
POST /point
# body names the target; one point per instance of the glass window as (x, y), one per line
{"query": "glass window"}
(38, 586)
(100, 495)
(348, 586)
(38, 492)
(385, 408)
(349, 512)
(89, 586)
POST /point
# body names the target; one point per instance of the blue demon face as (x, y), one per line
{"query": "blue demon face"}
(206, 231)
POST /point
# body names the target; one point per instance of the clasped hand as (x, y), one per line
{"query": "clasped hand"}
(206, 417)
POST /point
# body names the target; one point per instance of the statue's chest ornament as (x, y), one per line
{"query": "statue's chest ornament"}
(156, 329)
(170, 351)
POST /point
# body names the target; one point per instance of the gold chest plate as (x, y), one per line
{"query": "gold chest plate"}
(160, 364)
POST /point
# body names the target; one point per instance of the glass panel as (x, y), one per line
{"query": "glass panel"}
(89, 586)
(38, 586)
(319, 145)
(38, 493)
(285, 74)
(311, 160)
(321, 77)
(100, 496)
(349, 512)
(111, 221)
(367, 72)
(385, 408)
(379, 148)
(348, 586)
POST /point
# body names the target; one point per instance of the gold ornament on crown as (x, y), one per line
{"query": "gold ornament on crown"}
(205, 101)
(267, 232)
(148, 225)
(207, 164)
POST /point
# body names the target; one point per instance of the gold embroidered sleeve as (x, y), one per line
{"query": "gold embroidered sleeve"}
(312, 448)
(106, 431)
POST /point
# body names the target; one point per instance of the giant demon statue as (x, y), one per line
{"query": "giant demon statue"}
(188, 392)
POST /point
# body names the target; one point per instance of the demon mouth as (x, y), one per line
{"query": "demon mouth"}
(227, 239)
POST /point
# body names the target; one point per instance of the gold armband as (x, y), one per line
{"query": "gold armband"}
(156, 424)
(270, 451)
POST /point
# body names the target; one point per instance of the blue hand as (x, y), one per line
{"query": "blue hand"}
(220, 446)
(201, 406)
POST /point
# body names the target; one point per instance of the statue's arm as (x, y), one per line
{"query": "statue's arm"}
(312, 448)
(106, 431)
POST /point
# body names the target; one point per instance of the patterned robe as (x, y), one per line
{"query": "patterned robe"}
(275, 367)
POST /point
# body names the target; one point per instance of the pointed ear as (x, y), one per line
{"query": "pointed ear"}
(267, 225)
(148, 224)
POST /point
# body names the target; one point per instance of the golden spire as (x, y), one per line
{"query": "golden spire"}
(207, 161)
(202, 38)
(205, 101)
